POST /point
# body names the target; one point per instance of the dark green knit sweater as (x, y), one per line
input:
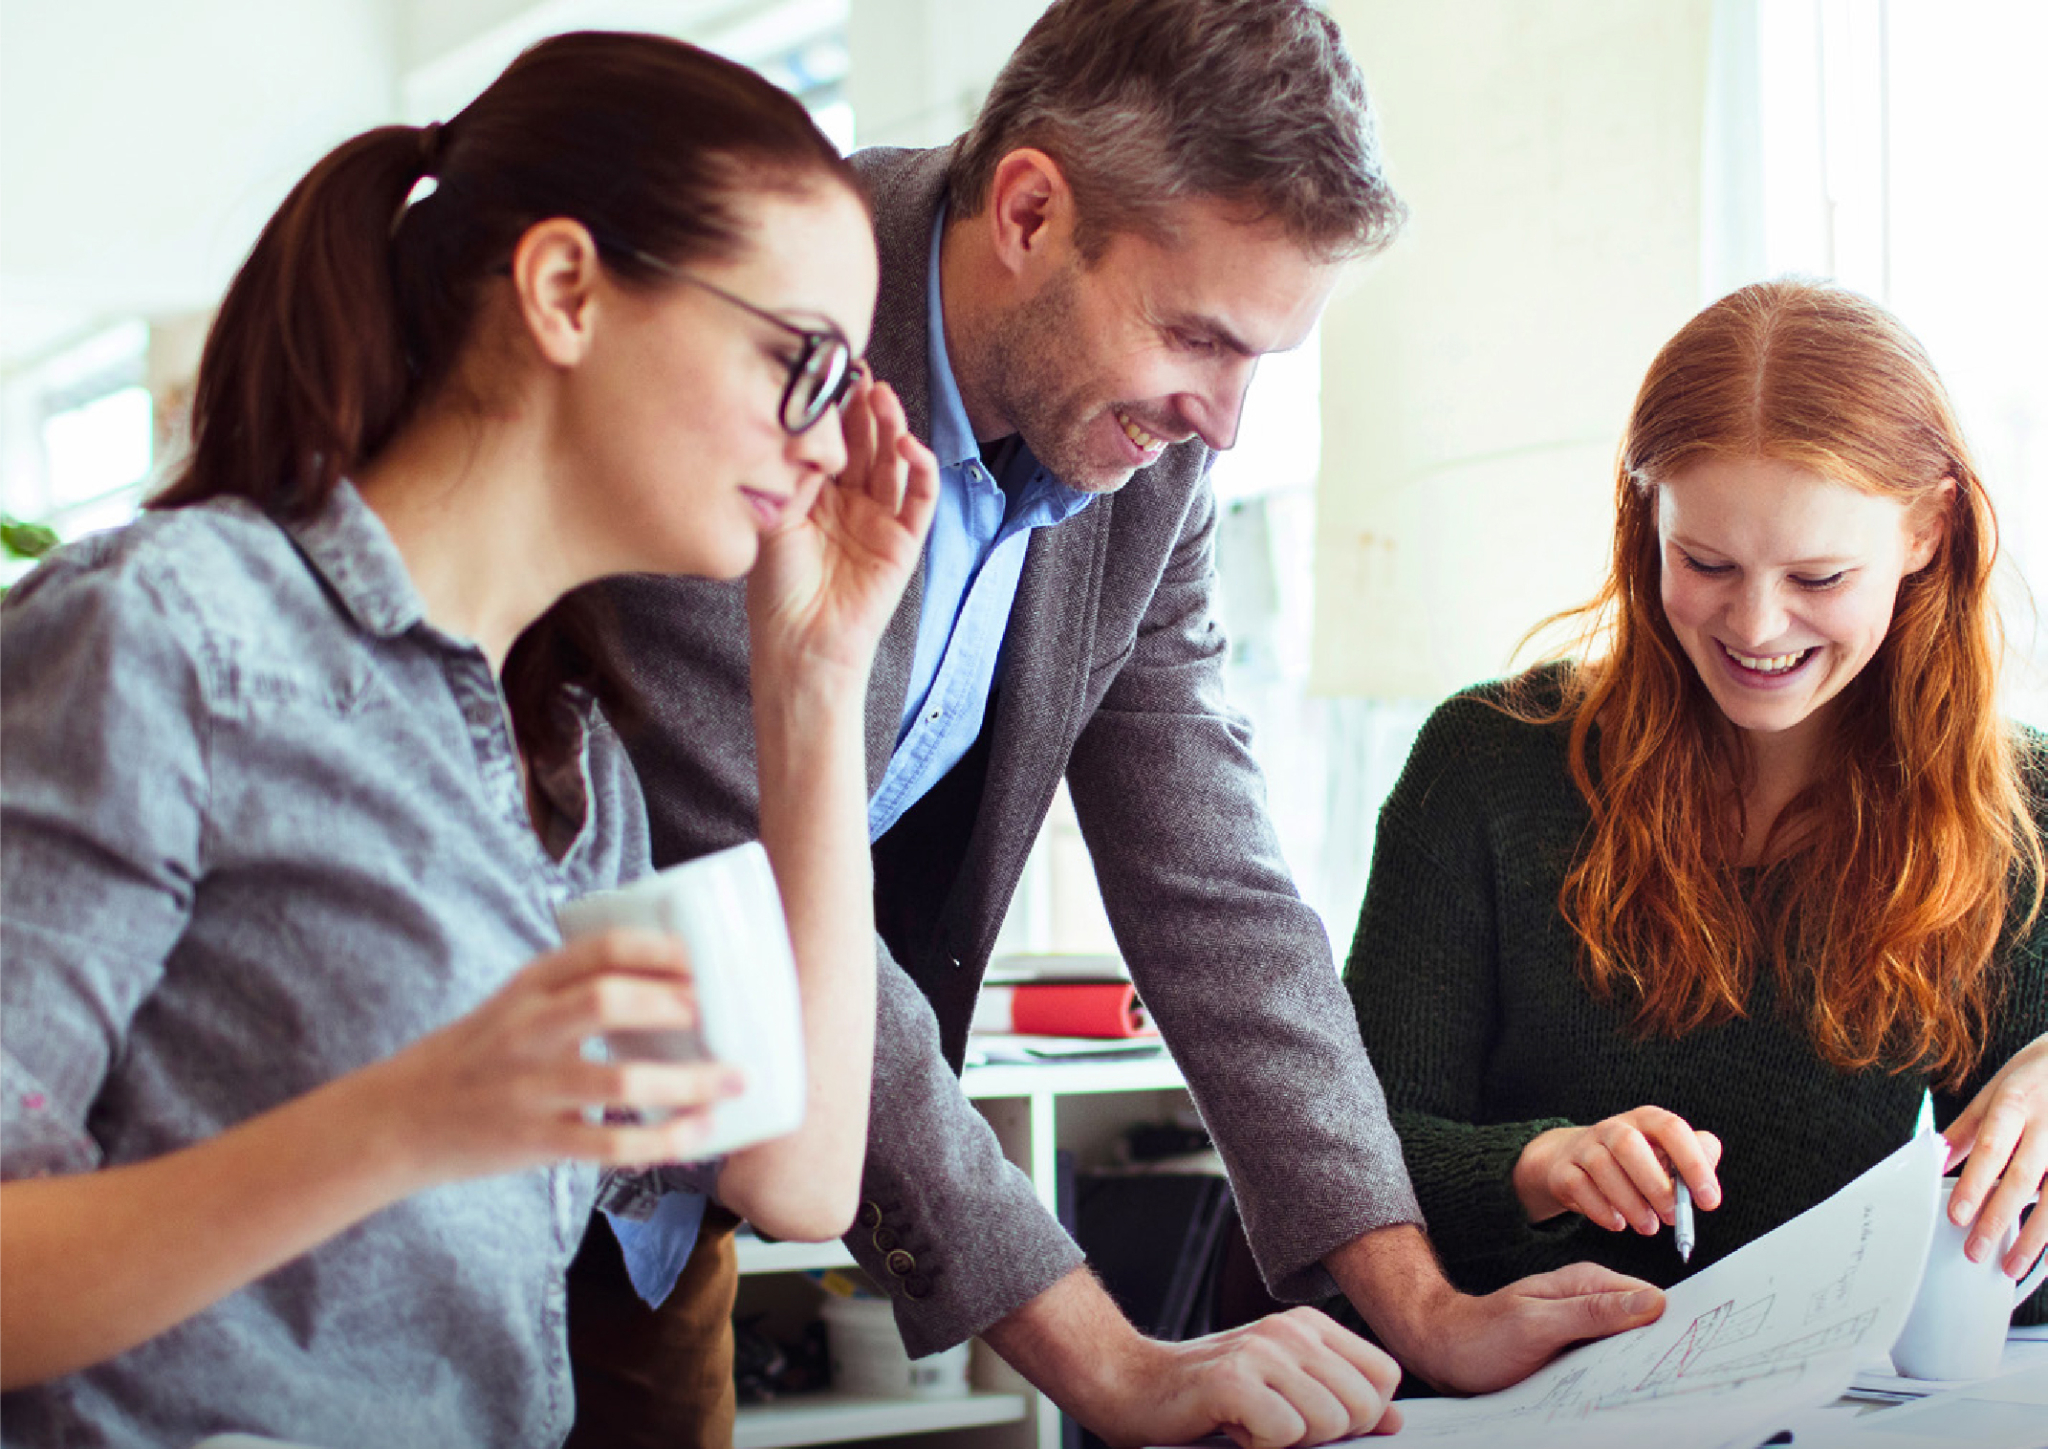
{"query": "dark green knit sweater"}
(1466, 984)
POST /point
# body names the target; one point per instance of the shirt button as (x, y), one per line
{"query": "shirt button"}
(885, 1239)
(871, 1214)
(899, 1263)
(917, 1286)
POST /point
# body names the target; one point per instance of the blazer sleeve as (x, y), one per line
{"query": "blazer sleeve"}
(947, 1226)
(1233, 965)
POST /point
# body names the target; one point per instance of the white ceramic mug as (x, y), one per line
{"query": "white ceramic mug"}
(728, 913)
(1960, 1316)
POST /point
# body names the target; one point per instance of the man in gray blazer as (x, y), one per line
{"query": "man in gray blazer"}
(1073, 300)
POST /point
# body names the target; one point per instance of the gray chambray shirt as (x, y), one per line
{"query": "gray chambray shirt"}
(260, 825)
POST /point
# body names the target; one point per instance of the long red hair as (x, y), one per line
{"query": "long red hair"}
(1891, 878)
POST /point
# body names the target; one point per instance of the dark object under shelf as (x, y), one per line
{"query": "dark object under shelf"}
(1154, 1238)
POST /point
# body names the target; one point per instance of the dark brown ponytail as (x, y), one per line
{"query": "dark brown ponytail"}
(304, 374)
(364, 288)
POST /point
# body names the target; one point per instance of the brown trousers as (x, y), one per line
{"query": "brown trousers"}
(654, 1378)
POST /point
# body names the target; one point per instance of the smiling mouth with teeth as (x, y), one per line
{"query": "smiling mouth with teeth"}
(1774, 664)
(1145, 441)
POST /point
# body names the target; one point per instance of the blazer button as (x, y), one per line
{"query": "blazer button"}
(871, 1214)
(885, 1239)
(899, 1263)
(917, 1286)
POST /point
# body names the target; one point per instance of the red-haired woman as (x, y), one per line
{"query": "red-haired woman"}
(299, 1134)
(1727, 894)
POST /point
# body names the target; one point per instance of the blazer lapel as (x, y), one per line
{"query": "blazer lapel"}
(907, 189)
(1044, 681)
(1051, 633)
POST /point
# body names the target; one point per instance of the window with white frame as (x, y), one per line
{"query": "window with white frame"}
(1893, 147)
(81, 438)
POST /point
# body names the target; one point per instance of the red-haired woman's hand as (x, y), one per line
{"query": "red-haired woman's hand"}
(2003, 1134)
(1617, 1173)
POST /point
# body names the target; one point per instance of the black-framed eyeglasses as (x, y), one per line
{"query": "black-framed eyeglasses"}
(821, 373)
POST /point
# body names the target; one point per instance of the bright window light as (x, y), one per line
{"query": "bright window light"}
(98, 448)
(1280, 438)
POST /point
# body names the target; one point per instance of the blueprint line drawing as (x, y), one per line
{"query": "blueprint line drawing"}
(1775, 1328)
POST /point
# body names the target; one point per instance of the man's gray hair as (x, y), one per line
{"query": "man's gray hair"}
(1147, 103)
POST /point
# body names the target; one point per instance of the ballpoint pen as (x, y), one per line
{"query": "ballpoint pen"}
(1681, 1220)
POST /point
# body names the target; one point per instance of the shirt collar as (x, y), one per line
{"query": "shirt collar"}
(348, 545)
(952, 434)
(1048, 500)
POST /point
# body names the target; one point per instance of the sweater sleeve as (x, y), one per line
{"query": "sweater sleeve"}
(1423, 975)
(2022, 1011)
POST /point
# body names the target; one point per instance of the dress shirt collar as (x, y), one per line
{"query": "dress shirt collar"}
(1040, 498)
(952, 439)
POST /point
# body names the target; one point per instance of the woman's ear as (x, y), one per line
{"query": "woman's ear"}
(555, 269)
(1932, 530)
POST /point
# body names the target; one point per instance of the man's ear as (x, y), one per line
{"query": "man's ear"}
(1920, 551)
(555, 269)
(1030, 211)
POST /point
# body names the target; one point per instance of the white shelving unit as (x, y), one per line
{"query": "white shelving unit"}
(1035, 1110)
(837, 1418)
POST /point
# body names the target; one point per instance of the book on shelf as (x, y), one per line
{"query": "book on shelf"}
(1015, 967)
(990, 1049)
(1063, 1008)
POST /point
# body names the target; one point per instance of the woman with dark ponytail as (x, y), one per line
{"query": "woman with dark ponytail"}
(299, 1134)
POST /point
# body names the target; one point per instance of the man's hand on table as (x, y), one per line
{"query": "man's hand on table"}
(1294, 1378)
(1473, 1345)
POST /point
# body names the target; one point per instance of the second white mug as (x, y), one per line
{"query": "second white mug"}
(1961, 1314)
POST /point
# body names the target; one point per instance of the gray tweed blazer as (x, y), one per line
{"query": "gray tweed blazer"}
(1112, 677)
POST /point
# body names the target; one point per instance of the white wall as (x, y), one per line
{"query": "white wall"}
(921, 67)
(143, 145)
(1476, 379)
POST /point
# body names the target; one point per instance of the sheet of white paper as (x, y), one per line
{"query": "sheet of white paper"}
(1775, 1328)
(2007, 1412)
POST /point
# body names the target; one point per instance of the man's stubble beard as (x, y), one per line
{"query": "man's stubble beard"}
(1022, 368)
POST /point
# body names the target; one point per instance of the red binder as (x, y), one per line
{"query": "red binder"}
(1065, 1008)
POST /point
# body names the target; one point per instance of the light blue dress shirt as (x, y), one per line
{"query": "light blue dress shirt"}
(973, 559)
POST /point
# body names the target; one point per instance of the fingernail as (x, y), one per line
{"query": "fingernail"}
(1974, 1250)
(1959, 1210)
(732, 1084)
(1640, 1301)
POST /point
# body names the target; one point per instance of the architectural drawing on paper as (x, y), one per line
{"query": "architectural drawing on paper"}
(1718, 1352)
(1776, 1327)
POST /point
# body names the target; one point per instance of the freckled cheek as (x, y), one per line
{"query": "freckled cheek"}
(1854, 626)
(1840, 613)
(1685, 605)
